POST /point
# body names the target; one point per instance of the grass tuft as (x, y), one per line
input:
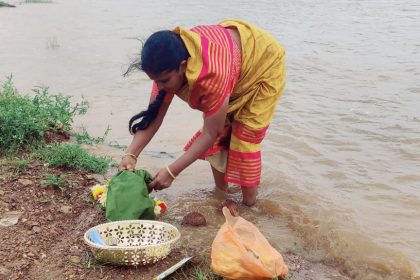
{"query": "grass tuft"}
(74, 157)
(85, 138)
(60, 182)
(20, 164)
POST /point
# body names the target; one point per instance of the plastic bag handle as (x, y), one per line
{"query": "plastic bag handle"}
(226, 212)
(231, 220)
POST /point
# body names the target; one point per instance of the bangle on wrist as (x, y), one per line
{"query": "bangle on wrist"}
(131, 155)
(170, 172)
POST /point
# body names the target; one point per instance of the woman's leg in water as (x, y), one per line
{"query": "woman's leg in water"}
(249, 195)
(219, 179)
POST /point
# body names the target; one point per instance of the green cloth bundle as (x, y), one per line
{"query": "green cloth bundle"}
(128, 196)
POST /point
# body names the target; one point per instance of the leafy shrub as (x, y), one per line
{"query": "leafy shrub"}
(24, 119)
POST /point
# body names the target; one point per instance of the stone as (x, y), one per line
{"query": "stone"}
(194, 219)
(25, 182)
(74, 259)
(10, 218)
(74, 249)
(33, 223)
(65, 209)
(4, 271)
(36, 229)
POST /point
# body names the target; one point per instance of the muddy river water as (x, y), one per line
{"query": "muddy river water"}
(341, 160)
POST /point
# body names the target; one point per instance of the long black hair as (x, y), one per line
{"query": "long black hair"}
(163, 51)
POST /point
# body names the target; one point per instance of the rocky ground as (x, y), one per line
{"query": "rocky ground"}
(47, 240)
(43, 222)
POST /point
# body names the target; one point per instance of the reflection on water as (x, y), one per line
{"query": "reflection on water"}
(342, 156)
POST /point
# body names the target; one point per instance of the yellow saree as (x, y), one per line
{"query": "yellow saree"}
(253, 95)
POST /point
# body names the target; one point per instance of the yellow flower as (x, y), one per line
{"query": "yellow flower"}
(98, 191)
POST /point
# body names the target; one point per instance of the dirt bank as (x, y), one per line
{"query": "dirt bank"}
(47, 240)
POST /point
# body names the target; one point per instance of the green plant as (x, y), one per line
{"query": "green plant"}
(59, 181)
(72, 156)
(204, 274)
(89, 261)
(199, 268)
(56, 110)
(85, 138)
(24, 119)
(20, 164)
(199, 273)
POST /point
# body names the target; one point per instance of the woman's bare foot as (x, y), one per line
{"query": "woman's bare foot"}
(231, 205)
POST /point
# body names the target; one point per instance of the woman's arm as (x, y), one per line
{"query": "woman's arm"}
(213, 126)
(142, 137)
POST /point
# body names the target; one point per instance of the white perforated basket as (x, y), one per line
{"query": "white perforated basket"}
(138, 242)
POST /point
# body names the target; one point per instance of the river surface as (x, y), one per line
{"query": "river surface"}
(341, 160)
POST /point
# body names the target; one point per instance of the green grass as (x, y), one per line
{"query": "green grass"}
(85, 138)
(60, 182)
(198, 268)
(19, 164)
(25, 119)
(74, 157)
(88, 261)
(196, 273)
(200, 273)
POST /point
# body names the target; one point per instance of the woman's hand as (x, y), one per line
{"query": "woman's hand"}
(161, 181)
(127, 163)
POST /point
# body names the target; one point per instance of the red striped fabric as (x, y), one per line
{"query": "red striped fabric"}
(214, 82)
(248, 135)
(243, 169)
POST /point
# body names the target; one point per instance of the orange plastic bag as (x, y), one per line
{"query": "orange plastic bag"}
(240, 251)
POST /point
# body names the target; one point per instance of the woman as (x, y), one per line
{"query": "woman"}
(234, 73)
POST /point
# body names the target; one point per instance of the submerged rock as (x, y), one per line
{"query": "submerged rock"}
(194, 219)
